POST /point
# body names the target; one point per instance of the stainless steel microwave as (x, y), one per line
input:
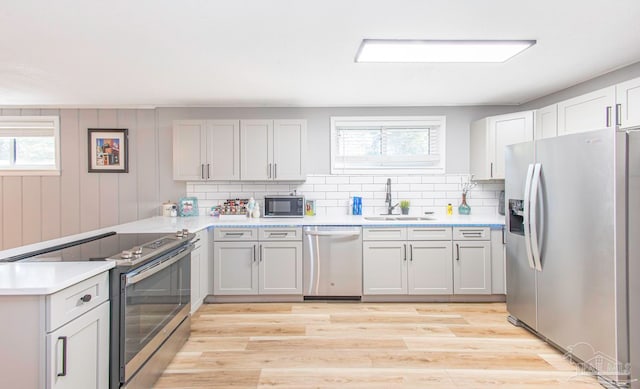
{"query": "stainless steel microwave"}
(283, 206)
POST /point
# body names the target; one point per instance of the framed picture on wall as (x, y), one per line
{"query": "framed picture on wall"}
(108, 150)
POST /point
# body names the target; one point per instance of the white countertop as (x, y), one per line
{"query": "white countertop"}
(42, 278)
(50, 277)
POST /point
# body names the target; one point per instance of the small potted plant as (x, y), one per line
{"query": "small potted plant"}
(404, 206)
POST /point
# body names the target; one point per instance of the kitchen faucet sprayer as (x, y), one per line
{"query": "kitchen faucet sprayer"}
(388, 198)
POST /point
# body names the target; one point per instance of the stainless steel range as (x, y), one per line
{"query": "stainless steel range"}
(150, 298)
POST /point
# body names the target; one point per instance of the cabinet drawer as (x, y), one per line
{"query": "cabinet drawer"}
(289, 233)
(69, 303)
(384, 233)
(429, 233)
(232, 233)
(471, 233)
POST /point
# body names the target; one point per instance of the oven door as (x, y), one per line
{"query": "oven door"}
(155, 299)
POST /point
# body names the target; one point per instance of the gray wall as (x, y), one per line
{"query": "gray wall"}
(38, 208)
(611, 78)
(318, 131)
(41, 208)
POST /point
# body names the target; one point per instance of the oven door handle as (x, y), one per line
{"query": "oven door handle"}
(135, 278)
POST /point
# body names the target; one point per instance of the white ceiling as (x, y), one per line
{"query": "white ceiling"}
(298, 52)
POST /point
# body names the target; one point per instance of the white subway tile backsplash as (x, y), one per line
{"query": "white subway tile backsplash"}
(337, 180)
(361, 179)
(315, 180)
(325, 188)
(337, 195)
(350, 188)
(254, 187)
(409, 180)
(373, 188)
(332, 193)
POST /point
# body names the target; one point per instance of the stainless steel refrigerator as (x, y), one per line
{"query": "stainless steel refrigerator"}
(573, 246)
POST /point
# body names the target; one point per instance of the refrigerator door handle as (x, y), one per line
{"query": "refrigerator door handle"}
(527, 210)
(533, 218)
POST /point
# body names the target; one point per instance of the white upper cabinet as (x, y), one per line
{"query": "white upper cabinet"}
(273, 149)
(189, 149)
(489, 137)
(256, 138)
(223, 150)
(591, 111)
(289, 147)
(628, 103)
(206, 150)
(547, 122)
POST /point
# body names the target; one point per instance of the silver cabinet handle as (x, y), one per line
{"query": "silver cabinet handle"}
(269, 171)
(457, 251)
(64, 356)
(202, 170)
(208, 171)
(618, 114)
(86, 298)
(260, 253)
(254, 253)
(233, 233)
(405, 251)
(411, 252)
(608, 117)
(275, 170)
(491, 175)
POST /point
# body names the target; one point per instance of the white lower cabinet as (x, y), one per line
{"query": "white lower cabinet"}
(430, 270)
(270, 266)
(472, 267)
(200, 264)
(235, 269)
(78, 352)
(280, 268)
(384, 267)
(400, 267)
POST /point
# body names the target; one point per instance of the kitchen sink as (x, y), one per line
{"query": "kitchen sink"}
(398, 218)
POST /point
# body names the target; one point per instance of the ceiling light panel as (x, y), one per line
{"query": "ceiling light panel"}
(389, 50)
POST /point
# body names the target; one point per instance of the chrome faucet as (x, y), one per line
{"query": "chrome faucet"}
(388, 198)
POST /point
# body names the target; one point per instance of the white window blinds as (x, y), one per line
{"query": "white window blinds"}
(29, 145)
(381, 144)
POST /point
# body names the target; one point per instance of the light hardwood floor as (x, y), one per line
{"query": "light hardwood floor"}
(365, 345)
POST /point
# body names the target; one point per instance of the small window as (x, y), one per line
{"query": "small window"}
(29, 145)
(387, 145)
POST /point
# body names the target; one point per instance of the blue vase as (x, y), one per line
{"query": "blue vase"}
(464, 208)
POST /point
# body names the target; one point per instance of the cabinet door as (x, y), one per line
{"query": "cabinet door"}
(472, 267)
(235, 268)
(196, 269)
(430, 267)
(480, 160)
(78, 352)
(384, 267)
(289, 149)
(223, 150)
(498, 262)
(189, 150)
(256, 146)
(505, 130)
(547, 122)
(591, 111)
(628, 98)
(280, 268)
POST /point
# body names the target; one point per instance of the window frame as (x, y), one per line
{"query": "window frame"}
(381, 121)
(34, 121)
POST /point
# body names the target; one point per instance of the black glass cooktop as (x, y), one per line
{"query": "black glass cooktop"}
(97, 248)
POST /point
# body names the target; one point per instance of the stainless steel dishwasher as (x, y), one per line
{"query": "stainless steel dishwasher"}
(332, 262)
